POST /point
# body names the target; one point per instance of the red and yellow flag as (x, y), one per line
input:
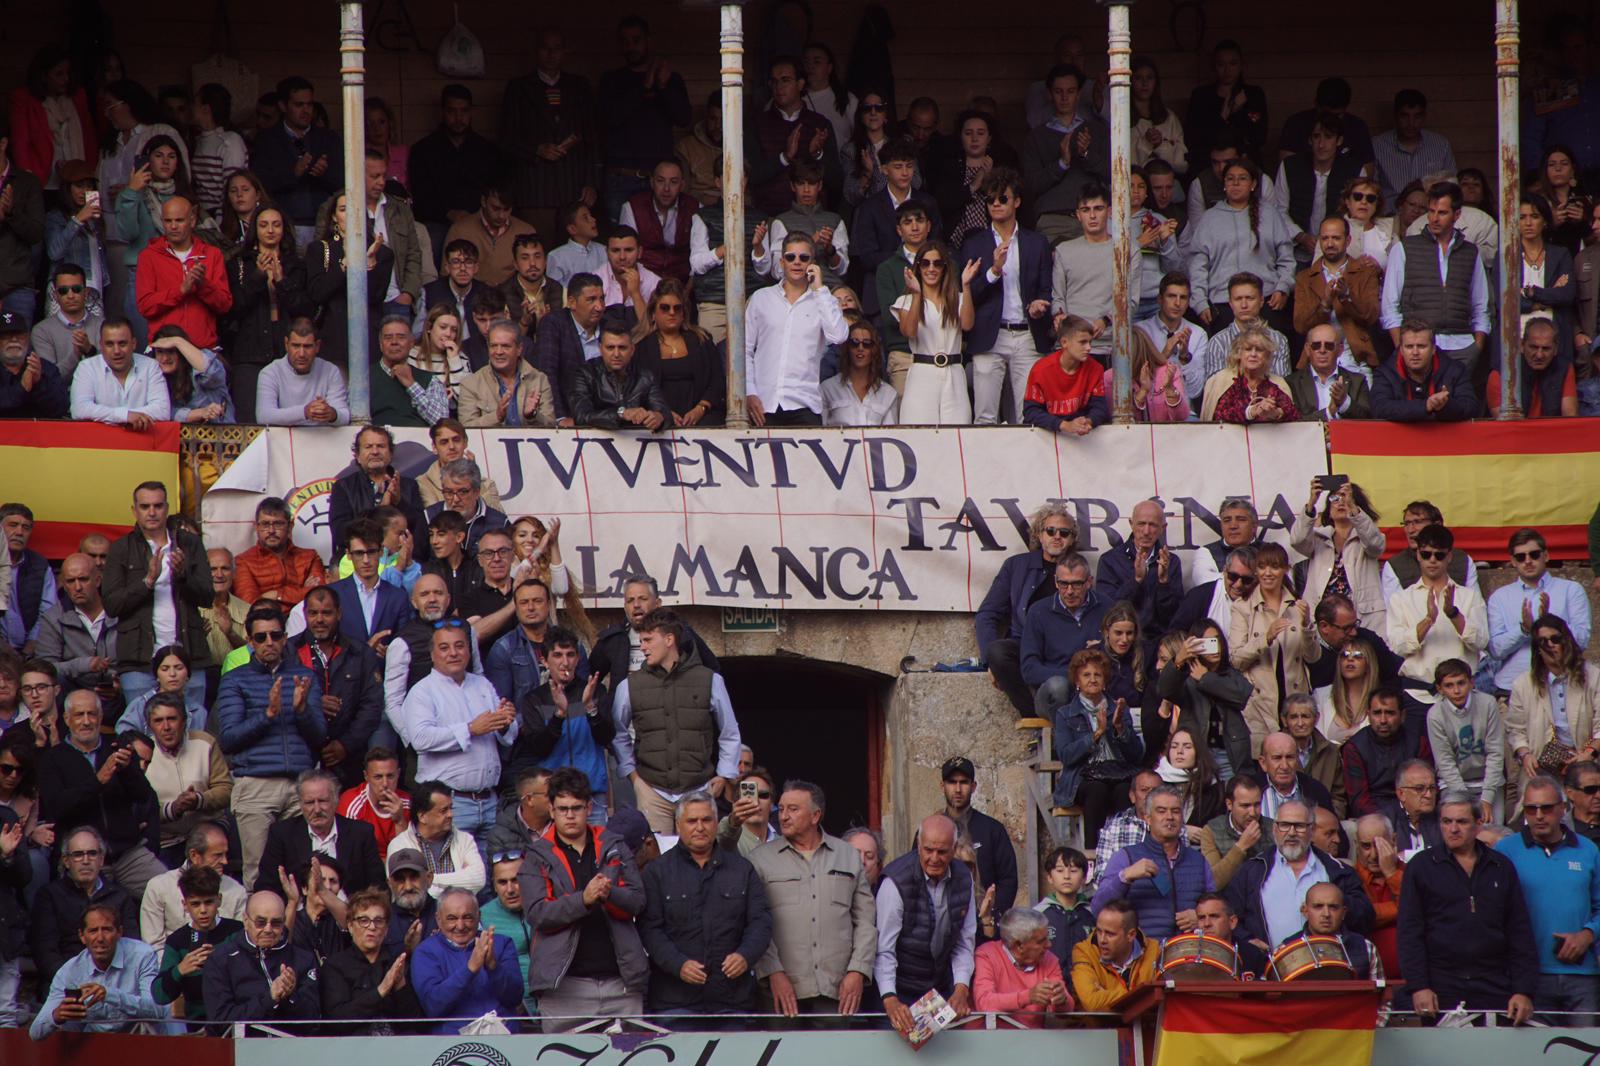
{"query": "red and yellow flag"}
(78, 477)
(1488, 478)
(1205, 1029)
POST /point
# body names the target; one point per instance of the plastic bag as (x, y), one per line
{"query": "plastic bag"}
(488, 1025)
(460, 53)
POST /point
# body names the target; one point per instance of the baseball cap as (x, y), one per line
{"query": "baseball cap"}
(11, 322)
(407, 859)
(959, 764)
(629, 824)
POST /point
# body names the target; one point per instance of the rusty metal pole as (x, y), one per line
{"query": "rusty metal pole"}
(353, 74)
(1119, 53)
(733, 190)
(1507, 41)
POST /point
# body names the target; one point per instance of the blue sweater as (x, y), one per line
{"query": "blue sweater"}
(1562, 887)
(447, 989)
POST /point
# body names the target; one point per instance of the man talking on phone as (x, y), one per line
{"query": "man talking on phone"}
(106, 987)
(788, 327)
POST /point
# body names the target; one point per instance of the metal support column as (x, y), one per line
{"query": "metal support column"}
(353, 73)
(1119, 42)
(733, 190)
(1507, 77)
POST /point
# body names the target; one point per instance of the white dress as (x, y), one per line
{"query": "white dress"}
(935, 395)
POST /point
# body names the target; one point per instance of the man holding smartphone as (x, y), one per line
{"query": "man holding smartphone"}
(788, 327)
(105, 988)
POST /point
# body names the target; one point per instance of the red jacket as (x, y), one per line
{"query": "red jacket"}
(31, 144)
(159, 283)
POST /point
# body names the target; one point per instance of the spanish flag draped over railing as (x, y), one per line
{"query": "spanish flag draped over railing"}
(1489, 478)
(78, 477)
(1206, 1029)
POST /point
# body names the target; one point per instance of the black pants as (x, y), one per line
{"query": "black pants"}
(799, 417)
(1005, 666)
(1100, 800)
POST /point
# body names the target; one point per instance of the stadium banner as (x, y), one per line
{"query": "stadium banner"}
(1199, 1029)
(882, 519)
(1489, 479)
(78, 477)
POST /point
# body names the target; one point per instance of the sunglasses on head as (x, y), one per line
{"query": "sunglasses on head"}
(511, 855)
(449, 623)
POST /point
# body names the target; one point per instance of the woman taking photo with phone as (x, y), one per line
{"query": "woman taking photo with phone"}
(1210, 697)
(1344, 546)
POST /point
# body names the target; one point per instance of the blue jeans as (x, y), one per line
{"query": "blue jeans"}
(476, 816)
(136, 683)
(1576, 996)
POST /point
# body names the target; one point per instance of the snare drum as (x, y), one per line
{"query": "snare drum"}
(1316, 958)
(1196, 957)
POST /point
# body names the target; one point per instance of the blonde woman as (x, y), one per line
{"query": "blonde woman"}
(1272, 642)
(1244, 391)
(1538, 740)
(1345, 549)
(1342, 706)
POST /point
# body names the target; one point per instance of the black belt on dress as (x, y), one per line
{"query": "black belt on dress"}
(939, 360)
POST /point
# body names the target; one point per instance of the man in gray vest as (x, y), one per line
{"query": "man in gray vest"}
(684, 737)
(1437, 277)
(927, 925)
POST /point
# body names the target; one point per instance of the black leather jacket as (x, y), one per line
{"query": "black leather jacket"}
(598, 394)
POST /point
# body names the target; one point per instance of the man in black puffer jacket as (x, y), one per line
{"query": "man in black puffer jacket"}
(613, 393)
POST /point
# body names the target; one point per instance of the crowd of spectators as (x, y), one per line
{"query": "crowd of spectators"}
(157, 264)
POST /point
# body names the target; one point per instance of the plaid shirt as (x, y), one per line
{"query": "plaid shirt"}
(1122, 831)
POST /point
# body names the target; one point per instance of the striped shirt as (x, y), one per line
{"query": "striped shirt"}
(1399, 167)
(217, 154)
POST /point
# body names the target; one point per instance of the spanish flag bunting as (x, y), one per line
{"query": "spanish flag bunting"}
(1206, 1029)
(78, 477)
(1488, 478)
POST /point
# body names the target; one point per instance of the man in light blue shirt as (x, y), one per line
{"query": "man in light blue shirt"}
(111, 982)
(1514, 608)
(1293, 868)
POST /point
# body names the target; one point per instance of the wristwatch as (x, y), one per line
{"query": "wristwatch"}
(621, 410)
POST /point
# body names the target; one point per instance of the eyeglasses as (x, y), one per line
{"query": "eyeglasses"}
(366, 553)
(570, 810)
(62, 290)
(37, 690)
(1292, 827)
(861, 342)
(369, 921)
(449, 623)
(511, 855)
(1080, 583)
(1432, 553)
(273, 635)
(496, 553)
(797, 257)
(1540, 808)
(1531, 555)
(80, 856)
(460, 261)
(267, 923)
(1059, 531)
(669, 308)
(454, 494)
(1426, 790)
(874, 109)
(1322, 346)
(1364, 197)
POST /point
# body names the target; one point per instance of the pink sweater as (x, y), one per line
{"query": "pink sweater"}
(1156, 408)
(998, 984)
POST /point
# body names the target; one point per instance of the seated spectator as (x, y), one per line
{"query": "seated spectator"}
(454, 858)
(1466, 942)
(1143, 571)
(415, 911)
(118, 386)
(1455, 305)
(72, 331)
(188, 773)
(458, 289)
(449, 439)
(378, 801)
(563, 723)
(1413, 813)
(1315, 752)
(1066, 913)
(171, 669)
(1244, 293)
(571, 339)
(1160, 876)
(701, 152)
(30, 387)
(461, 490)
(1437, 618)
(920, 893)
(163, 910)
(1066, 390)
(1094, 764)
(1246, 391)
(1210, 696)
(77, 636)
(1382, 874)
(683, 359)
(369, 979)
(291, 842)
(1235, 835)
(96, 781)
(504, 911)
(182, 281)
(1117, 960)
(1158, 390)
(300, 389)
(1240, 528)
(662, 216)
(1017, 973)
(583, 252)
(190, 946)
(1063, 155)
(1214, 917)
(530, 294)
(509, 391)
(1538, 738)
(1421, 386)
(806, 216)
(1467, 738)
(627, 283)
(270, 723)
(493, 231)
(315, 906)
(1269, 889)
(401, 394)
(1054, 629)
(113, 978)
(33, 591)
(196, 379)
(274, 568)
(1373, 756)
(1547, 382)
(1024, 579)
(461, 973)
(1282, 781)
(262, 975)
(1324, 910)
(615, 392)
(58, 910)
(525, 815)
(1323, 390)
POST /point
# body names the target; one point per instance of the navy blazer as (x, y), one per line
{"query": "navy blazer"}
(1005, 606)
(987, 297)
(873, 239)
(393, 610)
(560, 356)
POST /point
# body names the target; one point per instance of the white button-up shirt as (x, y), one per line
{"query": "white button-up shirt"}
(97, 395)
(163, 607)
(438, 713)
(784, 345)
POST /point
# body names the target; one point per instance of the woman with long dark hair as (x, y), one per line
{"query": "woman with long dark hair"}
(1210, 697)
(1157, 133)
(50, 118)
(858, 395)
(875, 126)
(242, 196)
(936, 309)
(325, 280)
(961, 179)
(268, 279)
(1273, 641)
(1557, 182)
(683, 359)
(197, 380)
(1539, 739)
(1188, 766)
(163, 175)
(1345, 548)
(1229, 103)
(826, 92)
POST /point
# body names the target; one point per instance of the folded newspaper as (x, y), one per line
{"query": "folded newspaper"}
(930, 1015)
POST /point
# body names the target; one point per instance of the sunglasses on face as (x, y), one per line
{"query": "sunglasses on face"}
(861, 342)
(1589, 790)
(1529, 556)
(1364, 197)
(1551, 642)
(1432, 553)
(273, 635)
(1059, 531)
(1322, 346)
(932, 264)
(874, 109)
(797, 257)
(1352, 655)
(1240, 579)
(1002, 198)
(1540, 808)
(669, 308)
(63, 290)
(8, 769)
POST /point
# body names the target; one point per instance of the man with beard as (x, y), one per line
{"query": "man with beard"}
(30, 387)
(414, 912)
(1269, 889)
(617, 649)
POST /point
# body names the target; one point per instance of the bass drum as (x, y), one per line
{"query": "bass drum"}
(1197, 957)
(1311, 958)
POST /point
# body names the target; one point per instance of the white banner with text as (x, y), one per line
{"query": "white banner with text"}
(811, 519)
